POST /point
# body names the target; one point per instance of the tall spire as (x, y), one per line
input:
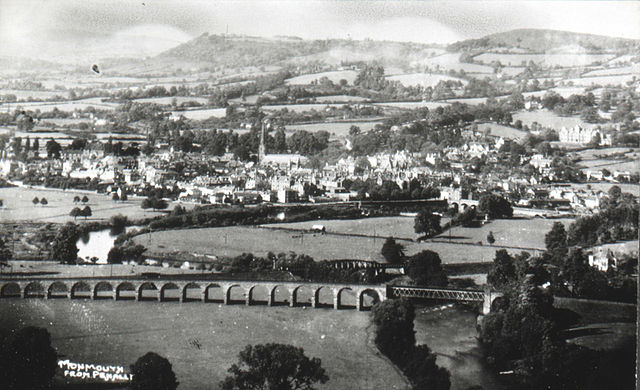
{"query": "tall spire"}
(262, 148)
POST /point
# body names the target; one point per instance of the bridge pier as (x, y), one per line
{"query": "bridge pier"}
(292, 298)
(336, 300)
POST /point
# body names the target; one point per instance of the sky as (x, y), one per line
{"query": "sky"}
(81, 30)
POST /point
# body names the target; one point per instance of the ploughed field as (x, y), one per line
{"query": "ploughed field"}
(351, 239)
(202, 340)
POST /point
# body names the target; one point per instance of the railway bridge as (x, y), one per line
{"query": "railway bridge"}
(271, 293)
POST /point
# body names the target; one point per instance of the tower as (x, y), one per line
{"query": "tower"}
(262, 148)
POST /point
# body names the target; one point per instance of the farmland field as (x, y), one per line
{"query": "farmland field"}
(399, 227)
(340, 129)
(18, 207)
(413, 105)
(340, 98)
(169, 100)
(602, 80)
(632, 69)
(202, 114)
(334, 76)
(22, 94)
(563, 60)
(202, 341)
(300, 107)
(451, 61)
(502, 131)
(549, 119)
(422, 79)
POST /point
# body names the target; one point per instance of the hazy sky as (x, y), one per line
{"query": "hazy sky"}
(72, 30)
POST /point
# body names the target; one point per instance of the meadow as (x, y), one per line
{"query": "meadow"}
(19, 208)
(632, 69)
(169, 100)
(451, 61)
(620, 79)
(502, 131)
(334, 76)
(25, 94)
(549, 59)
(202, 114)
(422, 79)
(549, 119)
(203, 340)
(339, 129)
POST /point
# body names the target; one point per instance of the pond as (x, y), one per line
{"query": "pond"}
(98, 244)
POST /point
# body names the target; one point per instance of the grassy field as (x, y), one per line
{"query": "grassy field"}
(635, 68)
(340, 98)
(300, 107)
(413, 105)
(602, 80)
(527, 233)
(563, 60)
(334, 76)
(502, 131)
(549, 119)
(422, 79)
(202, 114)
(450, 61)
(339, 130)
(462, 247)
(18, 207)
(169, 99)
(202, 341)
(28, 95)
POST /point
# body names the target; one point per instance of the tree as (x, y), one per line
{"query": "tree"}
(392, 251)
(85, 199)
(424, 373)
(76, 199)
(428, 223)
(556, 243)
(115, 196)
(75, 213)
(490, 238)
(64, 248)
(35, 201)
(495, 206)
(5, 253)
(152, 372)
(86, 212)
(394, 328)
(503, 270)
(425, 268)
(27, 360)
(53, 149)
(44, 201)
(274, 367)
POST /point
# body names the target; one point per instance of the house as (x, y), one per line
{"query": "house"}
(602, 260)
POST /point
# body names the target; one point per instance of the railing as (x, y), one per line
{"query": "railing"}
(435, 293)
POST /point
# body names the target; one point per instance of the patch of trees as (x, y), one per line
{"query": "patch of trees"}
(495, 206)
(62, 182)
(274, 367)
(128, 252)
(427, 222)
(154, 203)
(392, 251)
(524, 333)
(395, 338)
(64, 248)
(425, 269)
(390, 190)
(27, 359)
(152, 372)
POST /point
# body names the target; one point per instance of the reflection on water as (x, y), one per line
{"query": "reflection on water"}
(98, 244)
(451, 333)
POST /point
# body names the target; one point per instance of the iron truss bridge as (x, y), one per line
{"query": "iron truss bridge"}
(436, 293)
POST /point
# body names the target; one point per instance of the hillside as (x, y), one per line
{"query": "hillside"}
(545, 41)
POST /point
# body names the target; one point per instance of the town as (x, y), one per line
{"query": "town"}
(231, 189)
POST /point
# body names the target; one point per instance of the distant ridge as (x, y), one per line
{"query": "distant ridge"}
(543, 41)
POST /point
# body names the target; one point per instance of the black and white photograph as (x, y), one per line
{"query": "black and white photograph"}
(324, 194)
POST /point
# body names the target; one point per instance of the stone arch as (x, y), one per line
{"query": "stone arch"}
(235, 293)
(174, 288)
(10, 290)
(57, 287)
(366, 304)
(147, 286)
(324, 296)
(346, 300)
(34, 290)
(189, 296)
(125, 286)
(216, 290)
(259, 295)
(80, 287)
(279, 295)
(101, 287)
(302, 295)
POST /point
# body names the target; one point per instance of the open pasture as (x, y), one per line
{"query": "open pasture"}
(202, 114)
(526, 233)
(398, 227)
(614, 80)
(167, 100)
(549, 119)
(502, 131)
(339, 130)
(18, 206)
(340, 99)
(412, 105)
(300, 107)
(334, 76)
(422, 79)
(631, 69)
(203, 340)
(22, 94)
(561, 60)
(451, 61)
